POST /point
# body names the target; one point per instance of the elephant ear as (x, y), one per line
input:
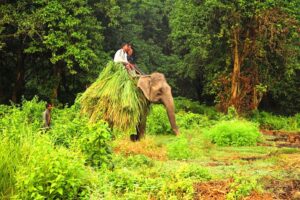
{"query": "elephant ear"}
(144, 85)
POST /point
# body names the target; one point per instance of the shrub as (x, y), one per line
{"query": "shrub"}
(10, 155)
(187, 105)
(270, 121)
(134, 161)
(94, 144)
(157, 121)
(194, 172)
(179, 148)
(133, 185)
(191, 120)
(18, 127)
(52, 173)
(234, 133)
(16, 123)
(70, 129)
(242, 187)
(66, 125)
(33, 111)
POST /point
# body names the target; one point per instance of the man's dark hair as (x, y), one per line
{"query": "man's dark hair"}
(126, 43)
(48, 104)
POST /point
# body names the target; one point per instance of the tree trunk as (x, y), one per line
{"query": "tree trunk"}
(19, 79)
(57, 71)
(64, 82)
(235, 83)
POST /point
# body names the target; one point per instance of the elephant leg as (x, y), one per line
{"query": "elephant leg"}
(141, 127)
(140, 130)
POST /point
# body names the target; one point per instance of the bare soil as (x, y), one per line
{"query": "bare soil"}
(283, 138)
(277, 190)
(284, 189)
(217, 190)
(214, 190)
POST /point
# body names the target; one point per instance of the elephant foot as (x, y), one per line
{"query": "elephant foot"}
(176, 131)
(134, 138)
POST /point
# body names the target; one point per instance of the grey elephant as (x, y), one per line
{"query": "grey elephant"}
(156, 90)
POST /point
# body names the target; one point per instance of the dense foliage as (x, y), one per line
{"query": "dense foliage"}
(38, 163)
(234, 133)
(244, 53)
(74, 160)
(242, 57)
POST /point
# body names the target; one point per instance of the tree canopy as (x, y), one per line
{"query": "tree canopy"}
(225, 53)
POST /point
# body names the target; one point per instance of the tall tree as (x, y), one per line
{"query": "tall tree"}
(62, 35)
(237, 45)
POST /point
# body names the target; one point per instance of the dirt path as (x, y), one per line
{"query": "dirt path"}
(277, 190)
(283, 138)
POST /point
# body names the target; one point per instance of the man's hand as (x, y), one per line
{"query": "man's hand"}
(129, 66)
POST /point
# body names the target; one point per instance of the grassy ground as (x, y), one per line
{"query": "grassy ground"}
(259, 172)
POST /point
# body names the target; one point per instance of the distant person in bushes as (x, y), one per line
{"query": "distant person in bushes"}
(47, 116)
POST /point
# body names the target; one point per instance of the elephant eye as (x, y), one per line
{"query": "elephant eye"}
(160, 91)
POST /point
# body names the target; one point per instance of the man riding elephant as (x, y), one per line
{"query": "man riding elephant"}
(154, 87)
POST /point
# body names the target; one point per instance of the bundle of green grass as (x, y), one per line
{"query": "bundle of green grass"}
(115, 98)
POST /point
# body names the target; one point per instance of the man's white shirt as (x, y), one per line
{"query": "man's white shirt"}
(121, 56)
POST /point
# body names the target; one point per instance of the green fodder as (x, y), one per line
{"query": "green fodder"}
(234, 133)
(115, 98)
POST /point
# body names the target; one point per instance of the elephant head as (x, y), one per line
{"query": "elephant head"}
(157, 90)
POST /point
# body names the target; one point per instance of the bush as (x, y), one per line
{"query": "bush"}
(52, 173)
(158, 121)
(242, 187)
(269, 121)
(134, 161)
(191, 120)
(234, 133)
(66, 124)
(134, 183)
(179, 148)
(10, 155)
(18, 127)
(24, 161)
(72, 130)
(187, 105)
(17, 122)
(33, 111)
(94, 144)
(194, 172)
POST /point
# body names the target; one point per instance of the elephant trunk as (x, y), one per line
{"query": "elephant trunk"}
(169, 105)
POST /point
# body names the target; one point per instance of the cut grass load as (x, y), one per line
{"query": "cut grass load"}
(115, 98)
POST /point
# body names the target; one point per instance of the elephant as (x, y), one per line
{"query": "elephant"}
(156, 90)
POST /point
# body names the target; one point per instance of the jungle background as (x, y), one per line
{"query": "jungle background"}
(234, 71)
